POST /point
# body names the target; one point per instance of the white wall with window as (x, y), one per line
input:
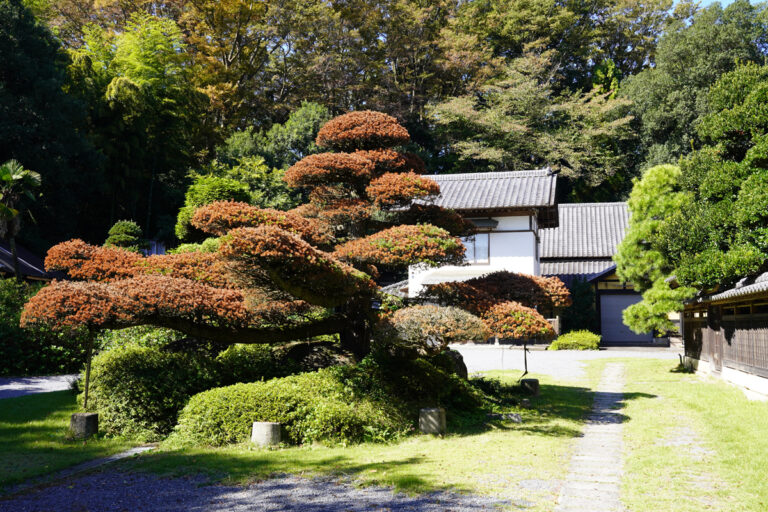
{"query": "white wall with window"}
(501, 243)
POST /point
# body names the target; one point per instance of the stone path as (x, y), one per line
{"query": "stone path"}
(594, 477)
(22, 386)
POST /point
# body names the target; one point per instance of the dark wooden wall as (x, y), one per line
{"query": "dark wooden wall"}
(734, 335)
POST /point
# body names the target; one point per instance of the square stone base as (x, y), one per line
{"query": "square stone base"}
(84, 424)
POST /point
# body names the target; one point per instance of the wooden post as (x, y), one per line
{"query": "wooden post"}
(89, 353)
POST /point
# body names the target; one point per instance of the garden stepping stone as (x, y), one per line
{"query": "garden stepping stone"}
(594, 478)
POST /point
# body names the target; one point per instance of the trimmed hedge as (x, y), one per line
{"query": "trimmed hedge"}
(310, 406)
(576, 340)
(375, 400)
(138, 391)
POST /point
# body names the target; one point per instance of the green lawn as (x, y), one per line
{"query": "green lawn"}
(490, 460)
(34, 437)
(691, 444)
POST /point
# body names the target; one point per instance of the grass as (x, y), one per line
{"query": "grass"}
(488, 460)
(691, 444)
(34, 437)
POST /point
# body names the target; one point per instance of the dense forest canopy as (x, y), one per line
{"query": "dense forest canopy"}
(121, 105)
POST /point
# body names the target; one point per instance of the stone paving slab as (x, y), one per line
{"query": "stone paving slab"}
(593, 482)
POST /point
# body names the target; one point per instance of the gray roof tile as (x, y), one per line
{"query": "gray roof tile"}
(586, 268)
(496, 190)
(586, 230)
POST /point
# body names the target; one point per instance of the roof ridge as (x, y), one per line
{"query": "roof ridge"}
(491, 174)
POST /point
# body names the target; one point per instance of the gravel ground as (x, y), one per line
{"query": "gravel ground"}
(20, 386)
(565, 364)
(115, 491)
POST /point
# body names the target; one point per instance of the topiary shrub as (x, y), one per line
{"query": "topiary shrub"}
(126, 234)
(576, 340)
(204, 190)
(512, 320)
(429, 329)
(310, 406)
(139, 391)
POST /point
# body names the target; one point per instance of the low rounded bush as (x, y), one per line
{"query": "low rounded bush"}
(310, 406)
(138, 391)
(512, 320)
(429, 329)
(576, 340)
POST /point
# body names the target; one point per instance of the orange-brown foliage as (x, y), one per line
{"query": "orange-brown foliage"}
(85, 262)
(404, 245)
(388, 160)
(362, 130)
(222, 216)
(400, 189)
(512, 320)
(295, 265)
(326, 168)
(131, 301)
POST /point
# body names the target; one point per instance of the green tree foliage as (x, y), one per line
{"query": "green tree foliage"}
(720, 234)
(283, 144)
(147, 119)
(670, 98)
(521, 122)
(582, 313)
(639, 260)
(705, 223)
(206, 189)
(125, 234)
(581, 35)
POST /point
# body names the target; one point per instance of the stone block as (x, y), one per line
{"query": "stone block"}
(265, 433)
(84, 424)
(530, 386)
(432, 421)
(525, 403)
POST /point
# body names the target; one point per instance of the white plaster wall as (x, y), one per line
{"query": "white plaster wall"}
(755, 387)
(513, 251)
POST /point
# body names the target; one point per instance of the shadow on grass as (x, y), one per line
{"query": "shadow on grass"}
(34, 437)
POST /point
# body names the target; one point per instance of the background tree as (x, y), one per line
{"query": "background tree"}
(521, 122)
(670, 99)
(705, 224)
(16, 183)
(39, 126)
(146, 118)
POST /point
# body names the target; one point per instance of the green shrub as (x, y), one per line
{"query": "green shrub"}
(310, 406)
(204, 190)
(126, 234)
(251, 363)
(33, 352)
(138, 391)
(576, 340)
(142, 336)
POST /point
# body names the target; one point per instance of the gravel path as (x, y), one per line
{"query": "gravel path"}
(115, 491)
(21, 386)
(564, 364)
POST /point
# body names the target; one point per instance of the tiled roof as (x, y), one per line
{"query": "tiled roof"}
(586, 230)
(745, 286)
(585, 268)
(399, 289)
(496, 190)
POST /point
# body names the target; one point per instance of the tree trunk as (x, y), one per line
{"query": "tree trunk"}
(15, 258)
(355, 336)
